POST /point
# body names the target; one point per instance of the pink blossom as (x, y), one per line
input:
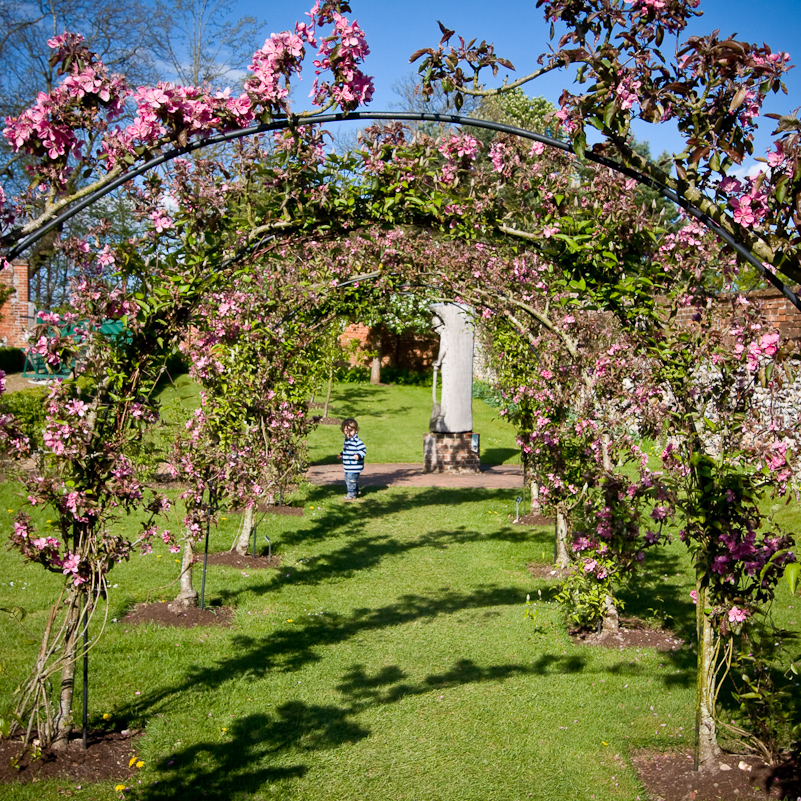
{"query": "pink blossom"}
(737, 615)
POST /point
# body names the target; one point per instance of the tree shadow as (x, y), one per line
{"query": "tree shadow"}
(361, 400)
(246, 758)
(361, 552)
(290, 648)
(240, 765)
(494, 456)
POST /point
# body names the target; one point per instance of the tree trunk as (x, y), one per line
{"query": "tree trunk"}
(243, 542)
(706, 742)
(187, 596)
(535, 496)
(328, 391)
(611, 619)
(561, 553)
(375, 365)
(63, 718)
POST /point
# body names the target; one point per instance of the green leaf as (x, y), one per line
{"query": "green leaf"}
(792, 573)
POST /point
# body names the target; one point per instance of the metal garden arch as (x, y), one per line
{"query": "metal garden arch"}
(411, 116)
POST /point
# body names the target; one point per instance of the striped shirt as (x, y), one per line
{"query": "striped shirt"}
(353, 453)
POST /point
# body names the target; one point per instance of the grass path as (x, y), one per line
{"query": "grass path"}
(390, 658)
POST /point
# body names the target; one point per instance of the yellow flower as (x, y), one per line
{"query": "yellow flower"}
(289, 620)
(140, 764)
(224, 729)
(10, 511)
(107, 716)
(119, 788)
(131, 761)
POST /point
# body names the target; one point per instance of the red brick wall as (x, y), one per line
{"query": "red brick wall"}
(409, 350)
(777, 313)
(14, 323)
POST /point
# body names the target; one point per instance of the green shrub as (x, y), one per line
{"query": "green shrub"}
(12, 360)
(403, 376)
(28, 407)
(486, 392)
(352, 375)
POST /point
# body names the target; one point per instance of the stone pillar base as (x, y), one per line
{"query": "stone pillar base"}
(451, 453)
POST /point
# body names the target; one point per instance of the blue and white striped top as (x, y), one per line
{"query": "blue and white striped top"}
(353, 453)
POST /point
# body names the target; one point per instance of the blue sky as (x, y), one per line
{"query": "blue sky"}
(517, 28)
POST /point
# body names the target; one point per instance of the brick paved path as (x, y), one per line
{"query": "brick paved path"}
(412, 475)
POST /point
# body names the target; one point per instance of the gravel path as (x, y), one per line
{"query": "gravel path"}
(507, 476)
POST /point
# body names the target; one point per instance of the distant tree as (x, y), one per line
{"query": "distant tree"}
(200, 42)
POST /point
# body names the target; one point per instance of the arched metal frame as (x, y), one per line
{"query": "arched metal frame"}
(410, 116)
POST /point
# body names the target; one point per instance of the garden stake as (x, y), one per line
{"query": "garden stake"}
(85, 674)
(269, 547)
(209, 513)
(255, 527)
(517, 508)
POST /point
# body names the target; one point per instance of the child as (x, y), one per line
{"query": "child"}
(353, 452)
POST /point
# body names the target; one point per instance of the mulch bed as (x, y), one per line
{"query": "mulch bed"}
(246, 562)
(106, 758)
(670, 777)
(534, 519)
(549, 572)
(633, 633)
(327, 421)
(185, 619)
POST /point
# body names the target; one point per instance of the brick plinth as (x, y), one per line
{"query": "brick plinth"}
(451, 453)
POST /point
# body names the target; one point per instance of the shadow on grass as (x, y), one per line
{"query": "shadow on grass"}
(245, 760)
(361, 552)
(360, 401)
(256, 749)
(494, 456)
(289, 649)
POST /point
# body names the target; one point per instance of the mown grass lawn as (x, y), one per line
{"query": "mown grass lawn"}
(393, 421)
(391, 657)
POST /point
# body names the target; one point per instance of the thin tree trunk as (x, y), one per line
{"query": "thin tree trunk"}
(375, 365)
(187, 596)
(243, 542)
(63, 719)
(706, 742)
(562, 555)
(611, 619)
(328, 391)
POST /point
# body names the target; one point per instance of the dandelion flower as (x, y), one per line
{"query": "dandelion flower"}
(107, 716)
(119, 788)
(131, 761)
(140, 764)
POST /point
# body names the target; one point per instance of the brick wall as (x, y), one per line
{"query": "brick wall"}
(777, 312)
(406, 350)
(15, 312)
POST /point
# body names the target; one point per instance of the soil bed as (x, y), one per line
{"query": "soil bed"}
(633, 633)
(534, 519)
(326, 421)
(670, 777)
(185, 619)
(244, 562)
(549, 572)
(106, 757)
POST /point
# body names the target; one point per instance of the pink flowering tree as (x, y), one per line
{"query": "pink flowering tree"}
(703, 375)
(632, 63)
(571, 249)
(75, 129)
